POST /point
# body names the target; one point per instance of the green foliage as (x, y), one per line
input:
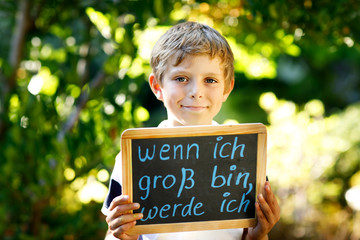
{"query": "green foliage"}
(73, 77)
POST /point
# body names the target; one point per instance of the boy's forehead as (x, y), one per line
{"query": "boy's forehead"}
(189, 60)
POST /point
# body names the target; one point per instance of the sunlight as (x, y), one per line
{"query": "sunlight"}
(304, 140)
(45, 51)
(284, 110)
(352, 197)
(141, 114)
(100, 21)
(125, 61)
(103, 175)
(108, 108)
(253, 65)
(43, 82)
(14, 102)
(69, 174)
(147, 39)
(80, 162)
(315, 107)
(230, 122)
(267, 101)
(293, 50)
(78, 183)
(119, 34)
(127, 111)
(180, 12)
(92, 190)
(33, 66)
(298, 34)
(136, 68)
(255, 69)
(120, 99)
(35, 84)
(355, 179)
(349, 42)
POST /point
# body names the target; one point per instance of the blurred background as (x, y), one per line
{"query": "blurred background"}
(74, 76)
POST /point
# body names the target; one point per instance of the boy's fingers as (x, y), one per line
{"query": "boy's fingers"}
(123, 219)
(125, 208)
(270, 219)
(122, 229)
(125, 223)
(265, 209)
(269, 196)
(271, 201)
(261, 217)
(122, 222)
(118, 200)
(122, 210)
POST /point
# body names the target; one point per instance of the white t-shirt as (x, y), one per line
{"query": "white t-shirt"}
(115, 190)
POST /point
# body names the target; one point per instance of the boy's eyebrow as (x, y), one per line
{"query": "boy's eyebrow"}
(176, 72)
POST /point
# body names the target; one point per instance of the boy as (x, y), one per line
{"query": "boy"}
(193, 75)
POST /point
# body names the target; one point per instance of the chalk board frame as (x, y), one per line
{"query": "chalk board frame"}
(193, 131)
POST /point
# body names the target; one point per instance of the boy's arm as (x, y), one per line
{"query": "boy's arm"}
(268, 214)
(119, 219)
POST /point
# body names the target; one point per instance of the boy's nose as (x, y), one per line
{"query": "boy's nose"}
(195, 90)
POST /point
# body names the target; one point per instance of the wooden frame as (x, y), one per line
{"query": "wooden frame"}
(148, 133)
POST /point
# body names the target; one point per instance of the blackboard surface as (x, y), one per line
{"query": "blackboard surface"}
(188, 178)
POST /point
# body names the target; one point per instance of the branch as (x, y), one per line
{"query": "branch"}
(18, 39)
(15, 53)
(83, 99)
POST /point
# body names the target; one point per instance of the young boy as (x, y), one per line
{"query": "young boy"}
(193, 75)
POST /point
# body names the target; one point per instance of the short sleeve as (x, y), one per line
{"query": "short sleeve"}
(115, 188)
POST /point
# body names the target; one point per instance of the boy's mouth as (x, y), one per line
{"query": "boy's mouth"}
(193, 108)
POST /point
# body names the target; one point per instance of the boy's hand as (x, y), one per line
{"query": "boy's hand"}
(119, 219)
(268, 214)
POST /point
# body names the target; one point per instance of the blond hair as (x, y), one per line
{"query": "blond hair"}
(191, 38)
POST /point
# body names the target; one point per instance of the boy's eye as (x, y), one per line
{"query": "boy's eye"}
(181, 79)
(210, 80)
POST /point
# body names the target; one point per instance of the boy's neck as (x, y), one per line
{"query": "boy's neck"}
(167, 123)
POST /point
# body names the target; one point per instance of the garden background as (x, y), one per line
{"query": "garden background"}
(73, 76)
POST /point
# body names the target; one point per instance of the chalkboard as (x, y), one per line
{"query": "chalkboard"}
(194, 178)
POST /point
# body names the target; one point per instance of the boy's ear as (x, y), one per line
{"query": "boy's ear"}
(228, 91)
(155, 87)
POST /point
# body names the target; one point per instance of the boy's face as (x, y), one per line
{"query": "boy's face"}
(192, 91)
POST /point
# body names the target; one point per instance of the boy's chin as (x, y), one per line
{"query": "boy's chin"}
(193, 123)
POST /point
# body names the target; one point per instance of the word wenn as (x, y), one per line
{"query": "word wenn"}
(187, 151)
